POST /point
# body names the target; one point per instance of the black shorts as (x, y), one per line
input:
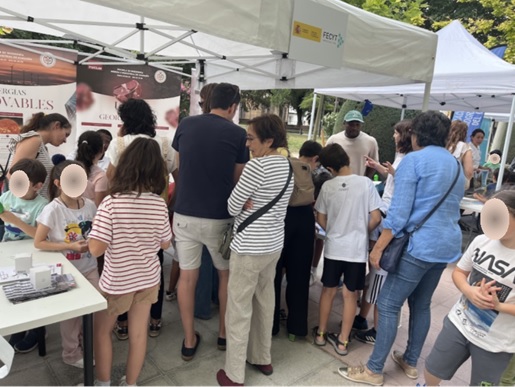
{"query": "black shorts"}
(353, 274)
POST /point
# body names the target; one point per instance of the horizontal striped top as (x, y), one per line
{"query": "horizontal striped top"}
(134, 228)
(261, 181)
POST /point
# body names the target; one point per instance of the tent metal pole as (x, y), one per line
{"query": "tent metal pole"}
(506, 145)
(403, 110)
(311, 118)
(427, 93)
(142, 36)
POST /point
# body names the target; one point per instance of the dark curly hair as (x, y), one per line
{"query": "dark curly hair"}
(137, 118)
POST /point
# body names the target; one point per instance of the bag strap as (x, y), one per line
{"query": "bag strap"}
(441, 200)
(263, 210)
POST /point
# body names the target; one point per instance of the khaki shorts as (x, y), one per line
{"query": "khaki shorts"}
(192, 233)
(120, 303)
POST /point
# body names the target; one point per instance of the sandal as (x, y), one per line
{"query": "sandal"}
(154, 328)
(334, 339)
(322, 336)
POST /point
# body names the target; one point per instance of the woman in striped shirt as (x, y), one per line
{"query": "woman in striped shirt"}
(130, 227)
(256, 250)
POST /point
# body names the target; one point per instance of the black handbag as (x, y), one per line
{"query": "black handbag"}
(393, 252)
(228, 235)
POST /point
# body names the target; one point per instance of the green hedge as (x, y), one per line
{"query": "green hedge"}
(378, 123)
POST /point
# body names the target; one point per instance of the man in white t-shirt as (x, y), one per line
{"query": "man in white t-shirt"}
(356, 144)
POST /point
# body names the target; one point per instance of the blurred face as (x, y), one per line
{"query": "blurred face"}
(256, 147)
(478, 139)
(352, 128)
(59, 134)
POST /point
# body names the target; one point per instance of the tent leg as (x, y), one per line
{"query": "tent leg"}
(403, 111)
(142, 37)
(311, 119)
(427, 93)
(506, 146)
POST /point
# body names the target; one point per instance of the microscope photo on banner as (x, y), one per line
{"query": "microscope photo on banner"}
(35, 82)
(102, 88)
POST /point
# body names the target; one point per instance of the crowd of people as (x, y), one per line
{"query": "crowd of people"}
(235, 187)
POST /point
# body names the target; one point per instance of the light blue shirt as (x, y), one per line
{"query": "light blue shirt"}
(421, 180)
(26, 210)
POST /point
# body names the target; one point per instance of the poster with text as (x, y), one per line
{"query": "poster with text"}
(102, 88)
(32, 82)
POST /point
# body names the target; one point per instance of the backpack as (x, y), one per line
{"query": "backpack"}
(303, 188)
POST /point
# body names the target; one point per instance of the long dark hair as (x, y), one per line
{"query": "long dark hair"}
(404, 129)
(89, 145)
(137, 118)
(56, 173)
(141, 168)
(42, 121)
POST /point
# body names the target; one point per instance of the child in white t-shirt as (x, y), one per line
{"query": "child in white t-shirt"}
(64, 225)
(348, 209)
(480, 325)
(130, 227)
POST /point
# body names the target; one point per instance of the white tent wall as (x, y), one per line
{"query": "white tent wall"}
(244, 42)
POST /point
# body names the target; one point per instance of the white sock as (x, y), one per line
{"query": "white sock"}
(100, 383)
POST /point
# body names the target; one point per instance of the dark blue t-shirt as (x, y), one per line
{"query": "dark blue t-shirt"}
(209, 147)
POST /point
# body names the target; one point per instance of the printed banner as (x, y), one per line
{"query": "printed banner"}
(31, 83)
(102, 88)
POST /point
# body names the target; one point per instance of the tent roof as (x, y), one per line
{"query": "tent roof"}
(467, 77)
(241, 41)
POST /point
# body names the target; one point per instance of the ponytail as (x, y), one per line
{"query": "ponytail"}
(42, 121)
(89, 145)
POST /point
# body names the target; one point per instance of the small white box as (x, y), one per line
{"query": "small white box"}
(23, 262)
(40, 277)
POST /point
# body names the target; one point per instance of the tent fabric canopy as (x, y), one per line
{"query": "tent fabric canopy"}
(243, 42)
(467, 77)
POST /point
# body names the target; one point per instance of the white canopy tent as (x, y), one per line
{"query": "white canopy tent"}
(467, 77)
(246, 42)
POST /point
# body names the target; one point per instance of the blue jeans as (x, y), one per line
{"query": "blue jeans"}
(416, 281)
(207, 287)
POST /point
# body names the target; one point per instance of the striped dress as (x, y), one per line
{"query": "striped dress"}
(261, 181)
(43, 156)
(134, 228)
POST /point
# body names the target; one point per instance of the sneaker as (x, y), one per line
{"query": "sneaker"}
(16, 338)
(123, 381)
(28, 344)
(78, 364)
(154, 328)
(368, 337)
(360, 323)
(410, 371)
(121, 332)
(334, 340)
(223, 379)
(171, 296)
(361, 375)
(221, 343)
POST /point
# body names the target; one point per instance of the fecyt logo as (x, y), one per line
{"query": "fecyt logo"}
(47, 59)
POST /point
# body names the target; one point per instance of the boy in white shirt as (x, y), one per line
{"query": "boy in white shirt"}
(348, 209)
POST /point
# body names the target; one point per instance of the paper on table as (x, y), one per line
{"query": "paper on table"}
(6, 356)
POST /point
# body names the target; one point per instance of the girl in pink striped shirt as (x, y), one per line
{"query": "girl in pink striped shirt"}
(130, 227)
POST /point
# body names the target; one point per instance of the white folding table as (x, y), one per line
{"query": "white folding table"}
(83, 301)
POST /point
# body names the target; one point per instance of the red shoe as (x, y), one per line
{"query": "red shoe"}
(266, 369)
(223, 379)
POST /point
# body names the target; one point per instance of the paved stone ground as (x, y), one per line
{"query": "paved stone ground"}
(295, 363)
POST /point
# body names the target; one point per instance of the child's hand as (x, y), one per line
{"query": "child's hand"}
(481, 295)
(79, 246)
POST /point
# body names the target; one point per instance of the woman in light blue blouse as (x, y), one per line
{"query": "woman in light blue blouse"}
(421, 180)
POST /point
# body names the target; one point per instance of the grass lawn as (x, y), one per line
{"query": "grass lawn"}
(295, 141)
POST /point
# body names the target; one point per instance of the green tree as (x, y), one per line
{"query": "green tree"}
(408, 11)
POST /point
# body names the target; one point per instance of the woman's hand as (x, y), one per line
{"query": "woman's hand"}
(79, 246)
(389, 168)
(371, 163)
(249, 205)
